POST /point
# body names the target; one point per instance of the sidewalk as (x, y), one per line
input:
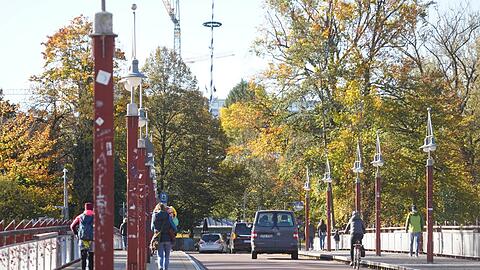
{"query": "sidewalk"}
(179, 260)
(397, 261)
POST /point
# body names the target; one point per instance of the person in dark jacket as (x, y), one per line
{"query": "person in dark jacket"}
(336, 237)
(123, 232)
(311, 235)
(162, 222)
(322, 232)
(357, 229)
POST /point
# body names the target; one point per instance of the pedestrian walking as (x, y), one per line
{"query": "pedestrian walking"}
(336, 237)
(162, 224)
(82, 227)
(322, 232)
(311, 235)
(414, 226)
(123, 232)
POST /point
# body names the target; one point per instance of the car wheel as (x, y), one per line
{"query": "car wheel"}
(254, 255)
(295, 255)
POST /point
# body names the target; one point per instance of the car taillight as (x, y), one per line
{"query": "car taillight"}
(254, 235)
(201, 242)
(295, 234)
(218, 242)
(234, 236)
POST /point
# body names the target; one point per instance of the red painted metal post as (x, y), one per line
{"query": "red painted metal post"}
(378, 209)
(148, 210)
(141, 205)
(429, 209)
(132, 173)
(357, 195)
(307, 219)
(103, 133)
(329, 216)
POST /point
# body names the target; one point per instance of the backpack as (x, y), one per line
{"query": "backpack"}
(85, 229)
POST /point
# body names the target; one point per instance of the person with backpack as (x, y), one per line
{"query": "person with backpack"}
(336, 237)
(414, 226)
(357, 229)
(82, 227)
(164, 229)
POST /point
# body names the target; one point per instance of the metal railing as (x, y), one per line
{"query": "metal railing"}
(457, 241)
(45, 245)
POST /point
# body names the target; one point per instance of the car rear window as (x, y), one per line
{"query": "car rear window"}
(284, 220)
(270, 219)
(242, 228)
(210, 237)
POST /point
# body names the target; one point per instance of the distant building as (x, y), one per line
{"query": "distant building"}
(215, 106)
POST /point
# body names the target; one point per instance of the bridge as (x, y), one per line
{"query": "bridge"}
(49, 244)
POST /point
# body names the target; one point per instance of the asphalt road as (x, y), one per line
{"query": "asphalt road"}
(243, 261)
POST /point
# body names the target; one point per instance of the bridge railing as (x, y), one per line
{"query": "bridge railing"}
(457, 241)
(46, 245)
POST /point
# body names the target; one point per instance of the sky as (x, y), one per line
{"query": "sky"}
(26, 24)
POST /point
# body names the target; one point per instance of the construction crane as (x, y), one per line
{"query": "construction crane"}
(173, 10)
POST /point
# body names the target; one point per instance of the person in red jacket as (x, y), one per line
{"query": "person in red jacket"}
(82, 227)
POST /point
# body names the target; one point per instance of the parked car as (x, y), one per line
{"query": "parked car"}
(274, 231)
(240, 237)
(211, 242)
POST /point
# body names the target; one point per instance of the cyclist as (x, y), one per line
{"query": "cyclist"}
(356, 228)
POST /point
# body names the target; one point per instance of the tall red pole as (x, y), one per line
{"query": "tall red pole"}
(103, 50)
(329, 216)
(357, 194)
(307, 219)
(148, 210)
(429, 209)
(378, 225)
(142, 233)
(132, 174)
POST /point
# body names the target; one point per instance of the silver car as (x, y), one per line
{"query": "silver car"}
(212, 242)
(274, 231)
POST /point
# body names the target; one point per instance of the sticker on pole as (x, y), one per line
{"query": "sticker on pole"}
(103, 77)
(163, 197)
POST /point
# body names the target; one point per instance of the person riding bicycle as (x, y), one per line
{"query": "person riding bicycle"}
(357, 229)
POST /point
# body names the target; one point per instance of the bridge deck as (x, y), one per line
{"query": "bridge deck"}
(178, 261)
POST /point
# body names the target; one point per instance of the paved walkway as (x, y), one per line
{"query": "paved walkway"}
(398, 261)
(179, 260)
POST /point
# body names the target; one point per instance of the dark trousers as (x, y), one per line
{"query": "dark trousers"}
(353, 239)
(87, 255)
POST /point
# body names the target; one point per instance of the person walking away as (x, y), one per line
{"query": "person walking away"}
(414, 226)
(357, 229)
(162, 222)
(123, 232)
(82, 227)
(311, 235)
(336, 237)
(322, 232)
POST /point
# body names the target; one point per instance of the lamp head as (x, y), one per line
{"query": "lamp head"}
(134, 78)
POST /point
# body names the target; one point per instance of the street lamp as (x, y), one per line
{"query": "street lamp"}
(357, 169)
(306, 187)
(65, 195)
(428, 147)
(328, 179)
(131, 81)
(377, 162)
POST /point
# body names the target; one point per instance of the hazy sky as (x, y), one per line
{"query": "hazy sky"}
(27, 23)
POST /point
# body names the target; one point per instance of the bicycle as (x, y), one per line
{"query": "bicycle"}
(357, 254)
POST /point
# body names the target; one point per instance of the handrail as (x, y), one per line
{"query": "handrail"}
(34, 230)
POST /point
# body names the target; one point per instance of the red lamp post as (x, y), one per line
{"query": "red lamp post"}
(306, 187)
(357, 169)
(328, 179)
(378, 162)
(429, 146)
(103, 49)
(132, 81)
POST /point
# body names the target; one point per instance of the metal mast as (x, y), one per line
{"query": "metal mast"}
(173, 10)
(212, 24)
